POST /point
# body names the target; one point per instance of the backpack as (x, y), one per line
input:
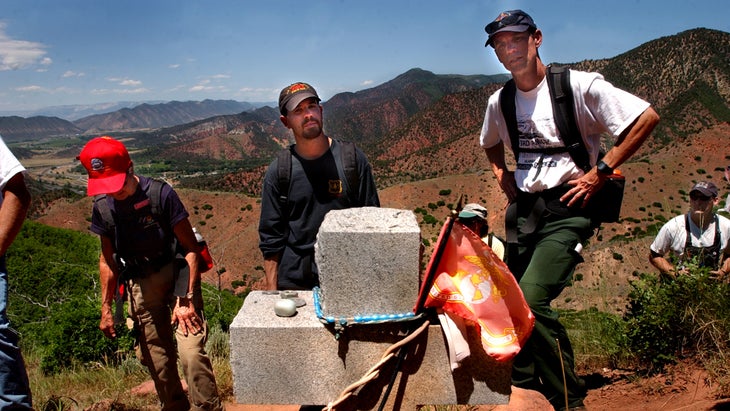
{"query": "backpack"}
(561, 96)
(346, 166)
(155, 196)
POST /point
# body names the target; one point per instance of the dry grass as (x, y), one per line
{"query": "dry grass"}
(105, 387)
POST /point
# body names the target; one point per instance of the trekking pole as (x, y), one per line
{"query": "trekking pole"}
(562, 368)
(425, 287)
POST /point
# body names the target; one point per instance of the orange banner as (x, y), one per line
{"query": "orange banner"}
(473, 283)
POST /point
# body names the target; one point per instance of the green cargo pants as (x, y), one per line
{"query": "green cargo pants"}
(543, 263)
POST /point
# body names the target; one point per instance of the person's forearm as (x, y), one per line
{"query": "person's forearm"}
(725, 266)
(15, 203)
(505, 178)
(495, 155)
(271, 268)
(662, 264)
(108, 282)
(193, 259)
(630, 141)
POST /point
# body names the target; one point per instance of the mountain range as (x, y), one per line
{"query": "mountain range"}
(139, 116)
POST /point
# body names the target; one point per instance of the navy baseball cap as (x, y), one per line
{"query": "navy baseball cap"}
(706, 188)
(510, 20)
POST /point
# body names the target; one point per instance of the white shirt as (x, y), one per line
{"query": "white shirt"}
(600, 108)
(672, 236)
(9, 166)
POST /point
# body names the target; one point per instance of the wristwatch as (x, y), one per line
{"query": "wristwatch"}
(603, 168)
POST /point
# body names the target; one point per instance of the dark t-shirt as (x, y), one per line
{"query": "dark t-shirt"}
(140, 234)
(316, 187)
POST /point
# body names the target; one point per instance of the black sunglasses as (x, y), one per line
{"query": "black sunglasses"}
(509, 20)
(700, 197)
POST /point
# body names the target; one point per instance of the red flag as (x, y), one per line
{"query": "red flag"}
(473, 283)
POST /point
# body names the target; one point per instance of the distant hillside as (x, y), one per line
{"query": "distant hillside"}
(248, 141)
(74, 112)
(152, 116)
(685, 76)
(369, 115)
(144, 116)
(15, 128)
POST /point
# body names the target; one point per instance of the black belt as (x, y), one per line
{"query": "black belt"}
(535, 206)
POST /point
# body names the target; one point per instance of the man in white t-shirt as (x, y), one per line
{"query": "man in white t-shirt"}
(544, 244)
(14, 201)
(700, 235)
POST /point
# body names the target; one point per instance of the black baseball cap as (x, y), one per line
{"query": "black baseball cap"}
(293, 94)
(510, 20)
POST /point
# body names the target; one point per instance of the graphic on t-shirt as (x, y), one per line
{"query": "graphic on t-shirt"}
(531, 138)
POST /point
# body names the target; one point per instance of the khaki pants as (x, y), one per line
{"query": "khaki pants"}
(151, 301)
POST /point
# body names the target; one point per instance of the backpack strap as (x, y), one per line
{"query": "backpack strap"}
(347, 167)
(155, 195)
(284, 175)
(507, 104)
(688, 235)
(561, 95)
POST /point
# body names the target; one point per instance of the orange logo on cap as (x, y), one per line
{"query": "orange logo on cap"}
(296, 87)
(501, 16)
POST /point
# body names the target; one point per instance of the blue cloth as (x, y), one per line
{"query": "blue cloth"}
(14, 386)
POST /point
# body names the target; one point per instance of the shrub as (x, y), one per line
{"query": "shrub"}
(72, 337)
(221, 306)
(429, 219)
(670, 319)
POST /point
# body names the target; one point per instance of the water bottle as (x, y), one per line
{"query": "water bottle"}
(206, 261)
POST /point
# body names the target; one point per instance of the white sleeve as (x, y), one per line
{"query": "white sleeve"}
(613, 108)
(494, 128)
(9, 165)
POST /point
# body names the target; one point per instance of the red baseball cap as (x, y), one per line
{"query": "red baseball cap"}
(107, 162)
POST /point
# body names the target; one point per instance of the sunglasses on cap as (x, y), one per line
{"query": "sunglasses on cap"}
(508, 20)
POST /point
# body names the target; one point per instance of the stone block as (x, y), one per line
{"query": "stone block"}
(368, 261)
(297, 360)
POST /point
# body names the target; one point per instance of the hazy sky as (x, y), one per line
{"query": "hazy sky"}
(62, 52)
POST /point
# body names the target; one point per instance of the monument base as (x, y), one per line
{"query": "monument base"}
(297, 360)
